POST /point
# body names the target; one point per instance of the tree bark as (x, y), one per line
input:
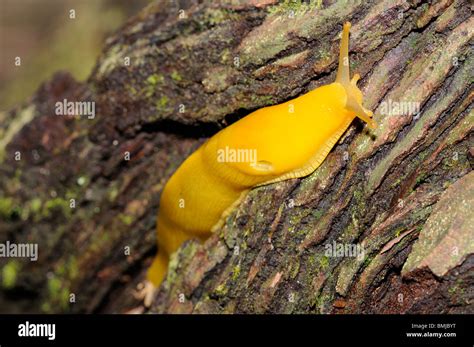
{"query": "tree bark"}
(402, 193)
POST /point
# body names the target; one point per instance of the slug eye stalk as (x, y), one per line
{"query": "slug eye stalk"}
(354, 95)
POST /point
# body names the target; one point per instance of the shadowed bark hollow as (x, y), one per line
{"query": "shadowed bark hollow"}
(402, 193)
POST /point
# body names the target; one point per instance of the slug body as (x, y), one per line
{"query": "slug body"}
(285, 141)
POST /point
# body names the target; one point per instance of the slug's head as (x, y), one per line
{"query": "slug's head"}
(354, 95)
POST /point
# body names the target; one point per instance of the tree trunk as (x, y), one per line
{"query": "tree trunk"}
(385, 225)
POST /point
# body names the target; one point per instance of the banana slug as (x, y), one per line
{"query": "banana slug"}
(288, 140)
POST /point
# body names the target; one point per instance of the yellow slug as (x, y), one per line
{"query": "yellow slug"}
(272, 144)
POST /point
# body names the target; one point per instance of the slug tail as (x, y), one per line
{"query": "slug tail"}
(157, 271)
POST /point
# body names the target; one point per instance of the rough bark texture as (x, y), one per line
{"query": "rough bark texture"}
(404, 192)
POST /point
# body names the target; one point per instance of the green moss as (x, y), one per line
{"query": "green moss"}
(55, 205)
(35, 205)
(421, 178)
(324, 55)
(32, 209)
(302, 232)
(358, 195)
(46, 307)
(57, 292)
(125, 219)
(10, 273)
(295, 218)
(323, 300)
(295, 6)
(396, 183)
(360, 201)
(317, 214)
(367, 261)
(312, 260)
(352, 229)
(221, 290)
(155, 79)
(68, 269)
(236, 272)
(398, 231)
(226, 56)
(73, 268)
(295, 268)
(174, 262)
(161, 103)
(213, 16)
(132, 90)
(54, 286)
(263, 99)
(6, 207)
(175, 76)
(64, 298)
(324, 262)
(112, 193)
(71, 194)
(457, 288)
(151, 84)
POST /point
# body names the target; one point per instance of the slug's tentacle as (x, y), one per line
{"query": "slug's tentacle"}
(355, 79)
(354, 95)
(343, 68)
(360, 111)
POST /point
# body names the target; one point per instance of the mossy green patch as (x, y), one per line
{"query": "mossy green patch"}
(367, 260)
(35, 205)
(151, 85)
(132, 90)
(324, 262)
(221, 290)
(235, 272)
(175, 76)
(294, 269)
(112, 193)
(323, 300)
(162, 103)
(317, 214)
(56, 204)
(214, 16)
(225, 56)
(125, 219)
(288, 6)
(6, 207)
(57, 292)
(10, 273)
(68, 269)
(155, 79)
(263, 99)
(32, 209)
